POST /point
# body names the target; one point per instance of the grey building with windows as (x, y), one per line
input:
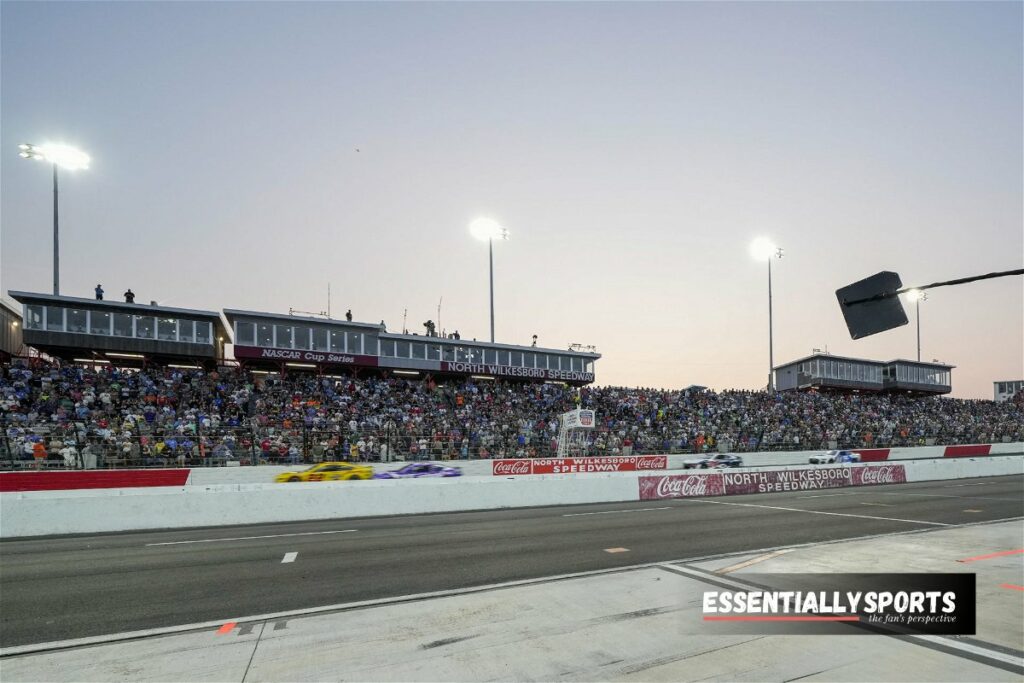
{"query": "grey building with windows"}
(278, 342)
(822, 371)
(90, 330)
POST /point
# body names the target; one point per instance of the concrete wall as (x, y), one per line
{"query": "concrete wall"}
(39, 513)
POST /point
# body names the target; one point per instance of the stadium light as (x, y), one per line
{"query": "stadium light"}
(490, 230)
(917, 296)
(68, 158)
(763, 249)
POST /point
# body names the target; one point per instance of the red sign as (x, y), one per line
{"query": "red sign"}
(61, 480)
(966, 451)
(298, 356)
(772, 481)
(879, 474)
(872, 454)
(623, 463)
(681, 486)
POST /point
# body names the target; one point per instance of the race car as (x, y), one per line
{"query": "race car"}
(329, 471)
(834, 456)
(714, 461)
(420, 469)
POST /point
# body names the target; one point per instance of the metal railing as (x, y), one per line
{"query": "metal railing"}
(71, 446)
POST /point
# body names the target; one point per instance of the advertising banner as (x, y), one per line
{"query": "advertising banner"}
(879, 474)
(967, 451)
(623, 463)
(681, 486)
(297, 356)
(786, 480)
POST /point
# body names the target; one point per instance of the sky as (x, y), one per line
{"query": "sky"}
(246, 155)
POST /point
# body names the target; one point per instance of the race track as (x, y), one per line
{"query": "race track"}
(56, 589)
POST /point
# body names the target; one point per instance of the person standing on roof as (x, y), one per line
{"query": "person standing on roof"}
(99, 292)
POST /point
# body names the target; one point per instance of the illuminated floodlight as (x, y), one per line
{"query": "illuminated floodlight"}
(763, 249)
(64, 156)
(916, 295)
(487, 229)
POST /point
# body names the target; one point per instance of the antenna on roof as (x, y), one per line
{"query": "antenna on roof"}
(328, 299)
(439, 313)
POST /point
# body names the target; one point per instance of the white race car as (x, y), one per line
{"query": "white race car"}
(831, 457)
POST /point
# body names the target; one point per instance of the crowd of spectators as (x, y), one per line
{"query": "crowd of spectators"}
(79, 416)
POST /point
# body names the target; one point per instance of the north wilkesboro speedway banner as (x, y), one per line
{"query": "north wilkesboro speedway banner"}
(616, 463)
(725, 483)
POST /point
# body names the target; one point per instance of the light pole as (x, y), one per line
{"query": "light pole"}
(70, 159)
(917, 296)
(764, 249)
(489, 229)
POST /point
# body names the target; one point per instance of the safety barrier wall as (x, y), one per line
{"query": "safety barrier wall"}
(204, 476)
(40, 513)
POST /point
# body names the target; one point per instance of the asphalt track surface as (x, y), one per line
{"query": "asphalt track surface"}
(62, 588)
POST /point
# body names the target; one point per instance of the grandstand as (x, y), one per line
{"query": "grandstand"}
(147, 385)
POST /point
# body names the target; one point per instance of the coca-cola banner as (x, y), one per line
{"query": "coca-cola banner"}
(681, 486)
(623, 463)
(770, 481)
(879, 474)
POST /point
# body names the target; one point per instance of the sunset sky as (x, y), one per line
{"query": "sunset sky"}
(245, 155)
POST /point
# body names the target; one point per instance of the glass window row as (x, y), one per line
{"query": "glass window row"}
(322, 339)
(843, 370)
(117, 324)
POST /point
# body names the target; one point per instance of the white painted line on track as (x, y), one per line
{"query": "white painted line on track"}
(815, 512)
(612, 512)
(830, 495)
(946, 495)
(250, 538)
(956, 486)
(880, 505)
(289, 557)
(310, 611)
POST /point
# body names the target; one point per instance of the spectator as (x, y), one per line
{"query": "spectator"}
(99, 292)
(129, 296)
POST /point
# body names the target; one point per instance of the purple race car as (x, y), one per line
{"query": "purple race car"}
(420, 469)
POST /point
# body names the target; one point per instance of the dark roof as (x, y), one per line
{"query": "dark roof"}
(33, 297)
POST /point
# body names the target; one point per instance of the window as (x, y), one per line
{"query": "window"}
(433, 352)
(590, 366)
(34, 317)
(122, 325)
(387, 348)
(338, 342)
(245, 334)
(302, 338)
(490, 356)
(530, 360)
(319, 339)
(264, 335)
(143, 327)
(577, 365)
(460, 354)
(204, 332)
(186, 330)
(516, 359)
(419, 351)
(77, 320)
(166, 329)
(448, 352)
(370, 344)
(503, 357)
(54, 319)
(402, 349)
(354, 342)
(284, 336)
(99, 322)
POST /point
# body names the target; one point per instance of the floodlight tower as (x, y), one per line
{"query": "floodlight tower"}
(70, 159)
(489, 229)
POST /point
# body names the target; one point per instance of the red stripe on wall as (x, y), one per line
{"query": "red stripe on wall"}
(872, 454)
(90, 479)
(966, 451)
